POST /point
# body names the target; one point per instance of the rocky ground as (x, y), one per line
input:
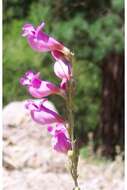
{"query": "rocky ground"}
(30, 163)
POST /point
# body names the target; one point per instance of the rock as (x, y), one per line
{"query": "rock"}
(14, 114)
(28, 143)
(30, 163)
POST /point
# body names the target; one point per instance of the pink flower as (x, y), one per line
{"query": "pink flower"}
(60, 138)
(43, 112)
(41, 42)
(64, 54)
(63, 70)
(39, 88)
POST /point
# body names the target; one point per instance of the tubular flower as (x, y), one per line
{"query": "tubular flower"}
(64, 54)
(60, 138)
(41, 42)
(43, 112)
(63, 70)
(39, 88)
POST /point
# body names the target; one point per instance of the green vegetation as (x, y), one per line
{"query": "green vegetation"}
(94, 159)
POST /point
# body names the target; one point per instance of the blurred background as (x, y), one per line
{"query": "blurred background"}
(93, 30)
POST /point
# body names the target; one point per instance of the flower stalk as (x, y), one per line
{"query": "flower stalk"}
(74, 153)
(62, 130)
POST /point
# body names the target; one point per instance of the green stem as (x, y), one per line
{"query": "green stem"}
(74, 158)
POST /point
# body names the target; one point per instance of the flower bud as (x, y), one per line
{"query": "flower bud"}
(76, 188)
(70, 153)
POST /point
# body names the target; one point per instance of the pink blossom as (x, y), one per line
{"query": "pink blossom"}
(39, 88)
(60, 138)
(41, 42)
(64, 54)
(63, 69)
(43, 112)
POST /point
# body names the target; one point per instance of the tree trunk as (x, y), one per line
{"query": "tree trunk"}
(112, 115)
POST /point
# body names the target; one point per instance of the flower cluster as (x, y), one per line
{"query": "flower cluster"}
(41, 110)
